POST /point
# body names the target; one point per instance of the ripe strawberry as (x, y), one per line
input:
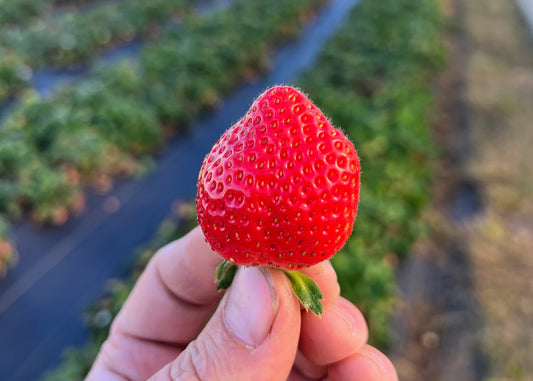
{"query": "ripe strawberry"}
(280, 187)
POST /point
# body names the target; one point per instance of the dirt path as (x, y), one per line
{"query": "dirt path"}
(435, 322)
(467, 291)
(500, 99)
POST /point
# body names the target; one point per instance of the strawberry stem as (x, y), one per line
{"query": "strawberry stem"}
(306, 290)
(224, 274)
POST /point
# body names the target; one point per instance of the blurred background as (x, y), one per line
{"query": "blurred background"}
(107, 109)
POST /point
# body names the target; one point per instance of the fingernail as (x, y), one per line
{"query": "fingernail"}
(251, 306)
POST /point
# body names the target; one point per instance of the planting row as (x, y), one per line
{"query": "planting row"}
(15, 75)
(70, 38)
(374, 80)
(21, 12)
(50, 148)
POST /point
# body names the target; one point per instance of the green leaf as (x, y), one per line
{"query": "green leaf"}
(306, 290)
(224, 274)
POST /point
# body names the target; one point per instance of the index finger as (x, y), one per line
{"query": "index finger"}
(175, 295)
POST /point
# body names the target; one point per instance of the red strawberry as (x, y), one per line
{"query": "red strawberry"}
(280, 187)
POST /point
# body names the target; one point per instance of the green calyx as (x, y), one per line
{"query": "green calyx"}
(224, 274)
(306, 290)
(303, 287)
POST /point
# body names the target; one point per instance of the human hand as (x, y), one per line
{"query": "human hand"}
(176, 326)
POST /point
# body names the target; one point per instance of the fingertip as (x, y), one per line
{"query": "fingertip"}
(325, 277)
(338, 333)
(195, 242)
(187, 266)
(307, 369)
(369, 364)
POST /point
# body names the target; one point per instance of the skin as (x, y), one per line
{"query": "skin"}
(176, 326)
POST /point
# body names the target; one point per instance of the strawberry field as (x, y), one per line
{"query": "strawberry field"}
(373, 79)
(51, 147)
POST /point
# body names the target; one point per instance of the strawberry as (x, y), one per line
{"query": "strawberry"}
(281, 186)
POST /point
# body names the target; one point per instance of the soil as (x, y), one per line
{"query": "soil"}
(500, 92)
(466, 292)
(437, 318)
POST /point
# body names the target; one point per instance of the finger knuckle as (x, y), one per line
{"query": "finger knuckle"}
(202, 360)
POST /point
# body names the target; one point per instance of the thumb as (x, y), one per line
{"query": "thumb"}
(252, 335)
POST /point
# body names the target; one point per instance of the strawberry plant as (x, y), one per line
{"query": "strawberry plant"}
(18, 12)
(69, 38)
(22, 12)
(374, 79)
(7, 252)
(14, 74)
(184, 67)
(45, 191)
